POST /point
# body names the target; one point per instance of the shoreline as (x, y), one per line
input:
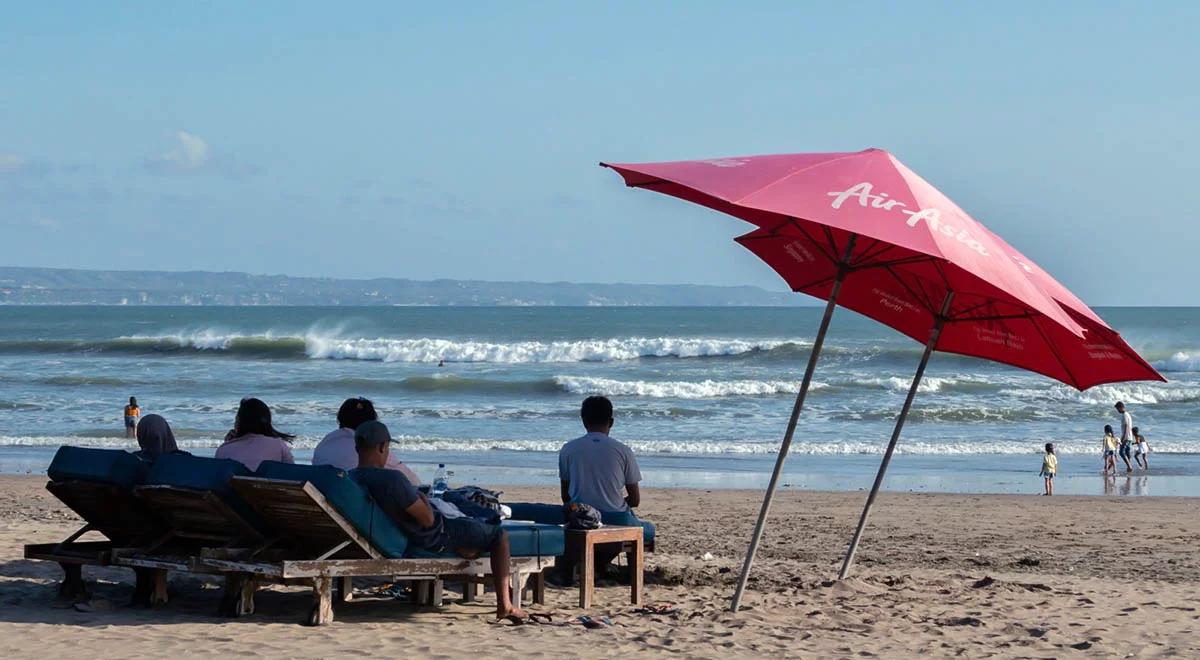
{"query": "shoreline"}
(1172, 475)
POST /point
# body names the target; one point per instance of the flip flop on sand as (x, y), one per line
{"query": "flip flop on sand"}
(594, 624)
(531, 618)
(657, 608)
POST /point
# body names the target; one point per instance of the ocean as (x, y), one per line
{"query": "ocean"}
(702, 394)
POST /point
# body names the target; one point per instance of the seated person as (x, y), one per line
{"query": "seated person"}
(424, 526)
(595, 469)
(253, 439)
(337, 448)
(155, 438)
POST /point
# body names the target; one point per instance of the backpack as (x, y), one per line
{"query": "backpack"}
(582, 516)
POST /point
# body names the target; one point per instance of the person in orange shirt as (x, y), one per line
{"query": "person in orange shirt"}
(132, 413)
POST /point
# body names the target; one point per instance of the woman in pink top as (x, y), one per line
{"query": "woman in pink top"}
(253, 439)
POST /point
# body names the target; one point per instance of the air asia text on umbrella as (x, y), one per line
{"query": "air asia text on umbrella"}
(866, 199)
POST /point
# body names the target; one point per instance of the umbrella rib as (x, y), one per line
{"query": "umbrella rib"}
(815, 242)
(920, 298)
(1054, 351)
(814, 283)
(829, 237)
(897, 262)
(866, 255)
(874, 258)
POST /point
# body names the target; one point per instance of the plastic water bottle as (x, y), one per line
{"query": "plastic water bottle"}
(441, 481)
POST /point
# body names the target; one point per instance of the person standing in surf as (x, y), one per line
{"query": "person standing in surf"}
(132, 413)
(1109, 445)
(1126, 435)
(1141, 449)
(1049, 468)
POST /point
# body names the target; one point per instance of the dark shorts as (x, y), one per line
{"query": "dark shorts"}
(1125, 449)
(470, 534)
(1048, 475)
(1108, 453)
(130, 422)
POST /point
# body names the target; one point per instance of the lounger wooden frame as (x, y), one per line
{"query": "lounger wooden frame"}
(337, 552)
(108, 509)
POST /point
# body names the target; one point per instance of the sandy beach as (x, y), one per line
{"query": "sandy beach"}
(946, 575)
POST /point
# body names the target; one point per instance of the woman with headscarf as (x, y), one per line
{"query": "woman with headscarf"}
(155, 438)
(253, 439)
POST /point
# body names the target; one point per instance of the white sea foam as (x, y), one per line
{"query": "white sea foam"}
(322, 345)
(602, 350)
(1180, 361)
(705, 389)
(680, 447)
(928, 383)
(1107, 395)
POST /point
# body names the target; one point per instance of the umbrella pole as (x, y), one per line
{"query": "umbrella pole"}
(818, 342)
(887, 455)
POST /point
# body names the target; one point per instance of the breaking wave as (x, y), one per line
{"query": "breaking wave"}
(420, 350)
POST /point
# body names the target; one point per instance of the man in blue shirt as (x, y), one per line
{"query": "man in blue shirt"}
(424, 526)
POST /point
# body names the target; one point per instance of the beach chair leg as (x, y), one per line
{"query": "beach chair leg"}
(539, 587)
(158, 589)
(322, 609)
(587, 575)
(436, 596)
(518, 585)
(72, 586)
(245, 604)
(472, 588)
(636, 560)
(345, 592)
(421, 589)
(237, 598)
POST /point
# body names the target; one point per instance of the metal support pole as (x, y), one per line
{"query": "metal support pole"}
(818, 342)
(887, 455)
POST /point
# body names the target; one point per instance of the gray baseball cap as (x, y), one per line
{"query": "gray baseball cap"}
(372, 434)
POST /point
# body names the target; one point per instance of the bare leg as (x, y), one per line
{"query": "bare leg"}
(500, 560)
(1050, 486)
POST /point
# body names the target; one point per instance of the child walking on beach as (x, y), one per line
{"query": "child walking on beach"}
(1049, 468)
(1110, 450)
(1141, 449)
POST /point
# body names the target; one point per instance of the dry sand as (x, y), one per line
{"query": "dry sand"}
(944, 575)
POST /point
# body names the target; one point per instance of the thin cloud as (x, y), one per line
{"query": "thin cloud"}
(191, 154)
(17, 165)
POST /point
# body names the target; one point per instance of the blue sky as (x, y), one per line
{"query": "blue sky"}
(410, 140)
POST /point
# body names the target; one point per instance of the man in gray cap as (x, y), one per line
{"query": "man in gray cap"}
(424, 526)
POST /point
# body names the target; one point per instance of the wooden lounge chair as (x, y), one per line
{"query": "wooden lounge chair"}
(323, 546)
(200, 513)
(97, 484)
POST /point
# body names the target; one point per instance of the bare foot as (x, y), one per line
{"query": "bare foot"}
(514, 615)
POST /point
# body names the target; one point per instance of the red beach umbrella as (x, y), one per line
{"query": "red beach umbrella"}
(861, 230)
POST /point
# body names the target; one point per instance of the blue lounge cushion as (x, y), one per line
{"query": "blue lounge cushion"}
(535, 540)
(106, 466)
(547, 514)
(554, 514)
(202, 473)
(349, 498)
(525, 539)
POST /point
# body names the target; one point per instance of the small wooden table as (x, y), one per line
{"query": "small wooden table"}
(581, 544)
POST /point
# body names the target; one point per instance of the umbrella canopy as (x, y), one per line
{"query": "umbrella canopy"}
(908, 295)
(897, 218)
(862, 230)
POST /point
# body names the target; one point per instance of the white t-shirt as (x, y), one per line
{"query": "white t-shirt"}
(598, 468)
(337, 449)
(1126, 427)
